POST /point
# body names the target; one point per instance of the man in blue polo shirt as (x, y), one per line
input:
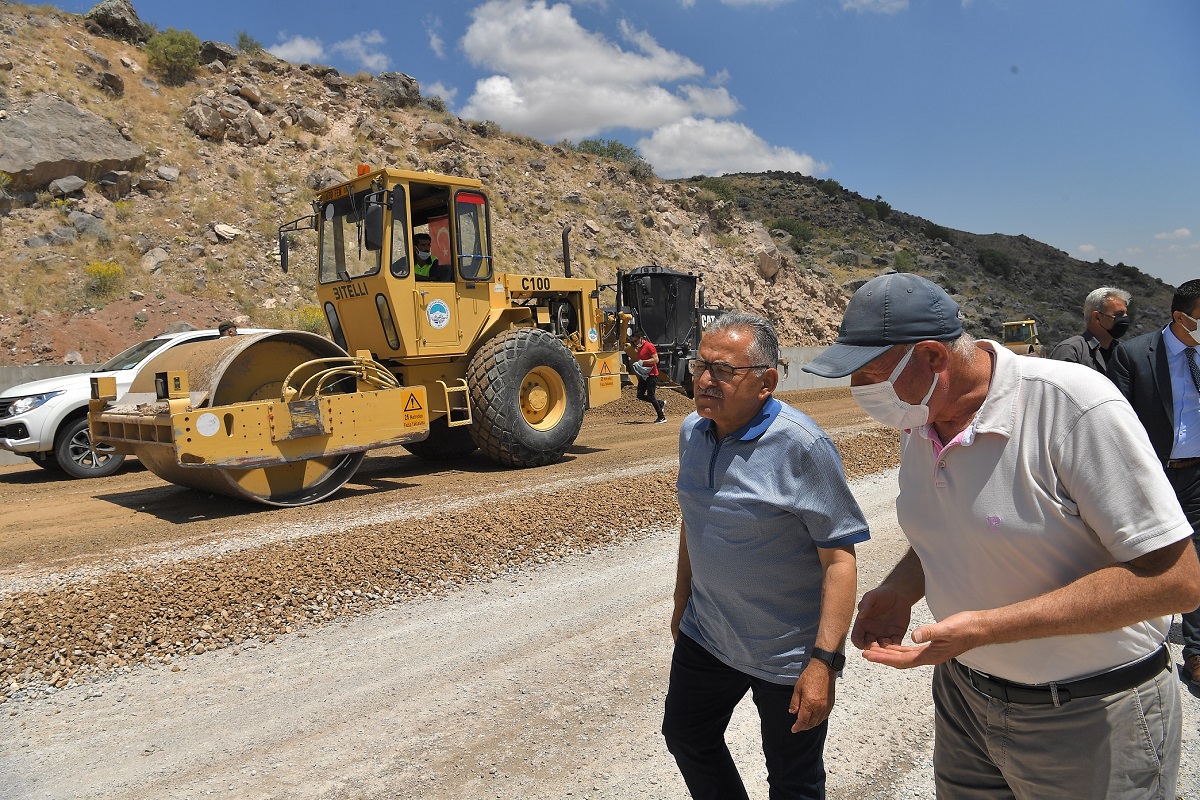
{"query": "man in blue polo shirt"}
(767, 574)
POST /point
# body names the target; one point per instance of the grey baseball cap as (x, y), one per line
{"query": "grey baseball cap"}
(899, 308)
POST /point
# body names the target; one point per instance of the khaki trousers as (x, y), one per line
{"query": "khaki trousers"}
(1124, 746)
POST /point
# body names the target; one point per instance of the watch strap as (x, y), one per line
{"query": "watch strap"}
(836, 661)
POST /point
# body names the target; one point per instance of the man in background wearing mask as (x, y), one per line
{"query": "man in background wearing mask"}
(1048, 544)
(1157, 373)
(1106, 316)
(425, 264)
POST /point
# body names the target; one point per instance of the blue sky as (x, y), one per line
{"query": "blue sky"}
(1075, 122)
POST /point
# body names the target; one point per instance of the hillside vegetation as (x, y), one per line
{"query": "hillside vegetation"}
(200, 245)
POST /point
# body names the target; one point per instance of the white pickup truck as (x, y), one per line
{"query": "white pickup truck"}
(46, 420)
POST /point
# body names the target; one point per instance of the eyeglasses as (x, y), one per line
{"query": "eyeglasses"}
(720, 370)
(1122, 315)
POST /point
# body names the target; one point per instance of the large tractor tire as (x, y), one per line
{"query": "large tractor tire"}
(527, 398)
(444, 443)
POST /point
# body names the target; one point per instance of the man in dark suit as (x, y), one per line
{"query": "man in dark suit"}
(1159, 373)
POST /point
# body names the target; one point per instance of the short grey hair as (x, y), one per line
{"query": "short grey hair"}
(764, 342)
(1097, 297)
(963, 347)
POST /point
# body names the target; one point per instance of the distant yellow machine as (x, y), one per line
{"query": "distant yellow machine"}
(1021, 337)
(445, 358)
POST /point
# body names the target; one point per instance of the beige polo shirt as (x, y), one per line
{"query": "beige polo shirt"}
(1054, 479)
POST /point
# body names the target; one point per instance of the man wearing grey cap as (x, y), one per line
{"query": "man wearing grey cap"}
(1048, 544)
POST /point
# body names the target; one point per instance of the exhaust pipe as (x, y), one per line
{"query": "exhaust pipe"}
(566, 251)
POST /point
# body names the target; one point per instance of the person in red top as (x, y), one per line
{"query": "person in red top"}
(647, 363)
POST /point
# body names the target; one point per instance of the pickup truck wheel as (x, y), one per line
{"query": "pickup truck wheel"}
(527, 398)
(78, 458)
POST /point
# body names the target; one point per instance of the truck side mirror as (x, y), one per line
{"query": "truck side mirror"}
(283, 252)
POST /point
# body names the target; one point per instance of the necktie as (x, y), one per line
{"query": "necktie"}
(1193, 368)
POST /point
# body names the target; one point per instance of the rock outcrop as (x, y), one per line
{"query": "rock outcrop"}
(51, 139)
(117, 19)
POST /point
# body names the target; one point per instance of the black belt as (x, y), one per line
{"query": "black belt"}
(1111, 682)
(1182, 463)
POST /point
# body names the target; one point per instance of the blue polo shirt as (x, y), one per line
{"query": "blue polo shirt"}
(756, 506)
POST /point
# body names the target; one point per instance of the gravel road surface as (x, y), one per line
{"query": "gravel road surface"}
(517, 648)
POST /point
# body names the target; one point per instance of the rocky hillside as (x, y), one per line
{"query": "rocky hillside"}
(129, 203)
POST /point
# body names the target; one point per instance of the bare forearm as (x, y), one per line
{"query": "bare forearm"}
(1159, 584)
(838, 592)
(907, 578)
(683, 570)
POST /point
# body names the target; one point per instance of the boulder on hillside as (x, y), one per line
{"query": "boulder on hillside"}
(395, 90)
(53, 139)
(205, 121)
(217, 51)
(117, 19)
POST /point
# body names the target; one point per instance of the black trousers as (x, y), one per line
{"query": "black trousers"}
(700, 701)
(1186, 483)
(646, 389)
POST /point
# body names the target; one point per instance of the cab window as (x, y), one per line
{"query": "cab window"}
(399, 251)
(345, 252)
(473, 236)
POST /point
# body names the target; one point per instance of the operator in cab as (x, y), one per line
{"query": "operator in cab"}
(426, 265)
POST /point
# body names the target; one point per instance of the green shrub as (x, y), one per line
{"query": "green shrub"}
(903, 261)
(996, 262)
(641, 169)
(434, 103)
(174, 55)
(721, 188)
(310, 318)
(875, 209)
(124, 209)
(800, 232)
(5, 180)
(638, 167)
(932, 231)
(830, 187)
(248, 44)
(62, 205)
(104, 278)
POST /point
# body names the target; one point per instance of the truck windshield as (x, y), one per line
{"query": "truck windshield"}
(1017, 333)
(344, 253)
(130, 357)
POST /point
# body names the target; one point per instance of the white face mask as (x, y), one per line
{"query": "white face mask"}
(1191, 334)
(423, 254)
(881, 403)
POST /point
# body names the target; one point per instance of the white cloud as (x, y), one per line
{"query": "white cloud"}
(298, 49)
(876, 6)
(1087, 249)
(714, 147)
(363, 49)
(1178, 233)
(436, 43)
(439, 89)
(556, 80)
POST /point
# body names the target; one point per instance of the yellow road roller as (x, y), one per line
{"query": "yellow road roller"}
(432, 348)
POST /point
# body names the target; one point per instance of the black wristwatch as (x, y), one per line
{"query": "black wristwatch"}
(836, 661)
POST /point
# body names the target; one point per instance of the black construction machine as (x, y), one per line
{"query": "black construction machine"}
(669, 306)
